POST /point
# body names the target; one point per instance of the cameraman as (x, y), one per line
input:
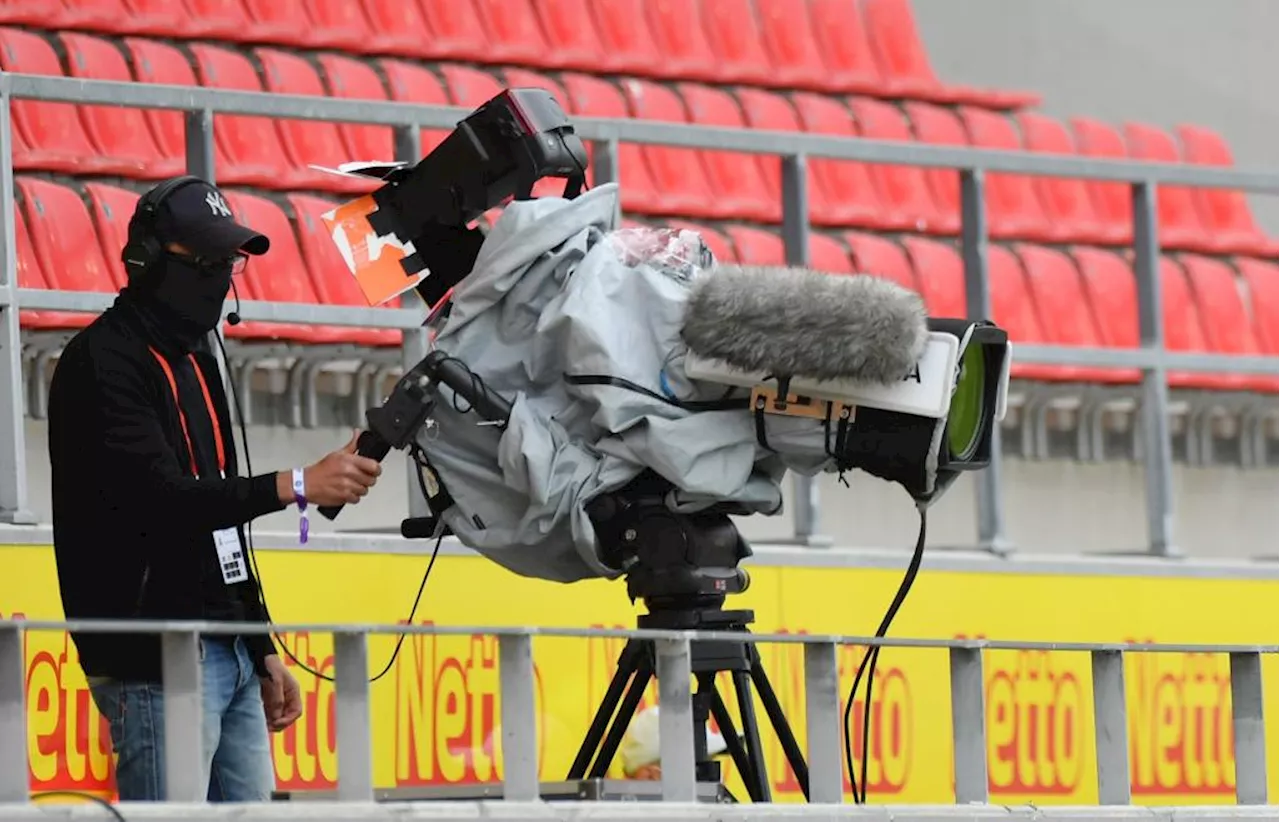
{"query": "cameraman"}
(148, 506)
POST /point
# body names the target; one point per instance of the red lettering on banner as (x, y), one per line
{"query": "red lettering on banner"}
(305, 753)
(1180, 732)
(1035, 726)
(447, 712)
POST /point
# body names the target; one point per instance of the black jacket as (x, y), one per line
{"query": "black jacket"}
(132, 528)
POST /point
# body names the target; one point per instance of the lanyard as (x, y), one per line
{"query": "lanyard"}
(182, 418)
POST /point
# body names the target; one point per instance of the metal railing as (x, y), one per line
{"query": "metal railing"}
(182, 686)
(794, 149)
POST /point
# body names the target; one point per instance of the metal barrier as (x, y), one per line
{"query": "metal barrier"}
(187, 782)
(794, 149)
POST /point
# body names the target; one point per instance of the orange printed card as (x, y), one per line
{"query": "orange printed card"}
(373, 259)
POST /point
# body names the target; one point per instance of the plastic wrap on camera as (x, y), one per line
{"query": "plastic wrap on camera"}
(678, 253)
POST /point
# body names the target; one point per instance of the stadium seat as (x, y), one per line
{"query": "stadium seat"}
(118, 132)
(1180, 226)
(114, 16)
(1227, 322)
(308, 142)
(788, 34)
(1262, 280)
(759, 246)
(938, 126)
(1066, 201)
(1112, 202)
(881, 257)
(1013, 309)
(157, 18)
(62, 236)
(330, 276)
(1184, 329)
(904, 62)
(30, 275)
(904, 190)
(721, 248)
(1013, 205)
(679, 176)
(325, 24)
(626, 37)
(772, 111)
(400, 25)
(112, 207)
(35, 13)
(224, 20)
(682, 37)
(939, 274)
(845, 47)
(1057, 291)
(454, 32)
(850, 195)
(51, 136)
(249, 150)
(355, 79)
(734, 32)
(736, 182)
(513, 33)
(344, 25)
(569, 30)
(1224, 213)
(156, 62)
(469, 87)
(596, 97)
(411, 83)
(829, 254)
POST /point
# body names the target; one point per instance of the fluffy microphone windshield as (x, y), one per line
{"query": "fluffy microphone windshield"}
(794, 322)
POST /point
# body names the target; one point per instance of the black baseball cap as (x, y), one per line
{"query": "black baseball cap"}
(198, 216)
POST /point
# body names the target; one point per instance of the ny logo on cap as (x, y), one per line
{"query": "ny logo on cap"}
(217, 205)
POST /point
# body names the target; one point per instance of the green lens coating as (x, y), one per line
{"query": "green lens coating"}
(964, 424)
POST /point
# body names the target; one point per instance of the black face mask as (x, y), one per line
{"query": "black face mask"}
(191, 296)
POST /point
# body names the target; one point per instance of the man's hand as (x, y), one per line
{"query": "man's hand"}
(341, 478)
(280, 695)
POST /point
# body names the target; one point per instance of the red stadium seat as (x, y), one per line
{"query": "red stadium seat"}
(1112, 202)
(845, 47)
(400, 25)
(279, 275)
(330, 276)
(357, 80)
(331, 24)
(721, 248)
(283, 22)
(1066, 201)
(1228, 325)
(678, 173)
(224, 20)
(937, 126)
(112, 207)
(595, 97)
(772, 111)
(469, 87)
(1225, 213)
(1184, 330)
(827, 253)
(1013, 309)
(30, 275)
(454, 32)
(35, 13)
(848, 191)
(118, 132)
(1262, 279)
(680, 35)
(91, 15)
(736, 183)
(62, 237)
(249, 149)
(904, 190)
(904, 62)
(308, 142)
(156, 62)
(1180, 225)
(756, 246)
(513, 33)
(733, 30)
(939, 273)
(880, 257)
(1013, 205)
(788, 33)
(626, 36)
(51, 135)
(1057, 291)
(162, 18)
(568, 26)
(409, 83)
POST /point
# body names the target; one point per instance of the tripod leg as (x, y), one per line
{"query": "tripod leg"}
(734, 742)
(751, 730)
(795, 757)
(644, 670)
(706, 768)
(631, 653)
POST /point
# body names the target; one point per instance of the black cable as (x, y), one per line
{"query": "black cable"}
(872, 655)
(253, 557)
(111, 809)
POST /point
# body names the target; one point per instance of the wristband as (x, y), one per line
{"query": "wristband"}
(300, 497)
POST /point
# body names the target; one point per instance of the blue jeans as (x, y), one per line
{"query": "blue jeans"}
(237, 751)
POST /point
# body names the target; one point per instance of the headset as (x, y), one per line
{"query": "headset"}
(142, 253)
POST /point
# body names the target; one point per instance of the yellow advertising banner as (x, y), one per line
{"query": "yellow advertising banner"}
(436, 710)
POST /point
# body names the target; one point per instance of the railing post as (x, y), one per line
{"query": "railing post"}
(822, 723)
(13, 441)
(199, 139)
(806, 496)
(353, 715)
(969, 725)
(413, 349)
(519, 719)
(1111, 727)
(1157, 450)
(13, 714)
(977, 292)
(1248, 729)
(604, 168)
(186, 779)
(675, 720)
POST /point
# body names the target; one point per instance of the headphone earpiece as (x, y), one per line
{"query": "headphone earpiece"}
(142, 251)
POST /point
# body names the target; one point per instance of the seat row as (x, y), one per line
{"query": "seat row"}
(656, 180)
(847, 46)
(69, 238)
